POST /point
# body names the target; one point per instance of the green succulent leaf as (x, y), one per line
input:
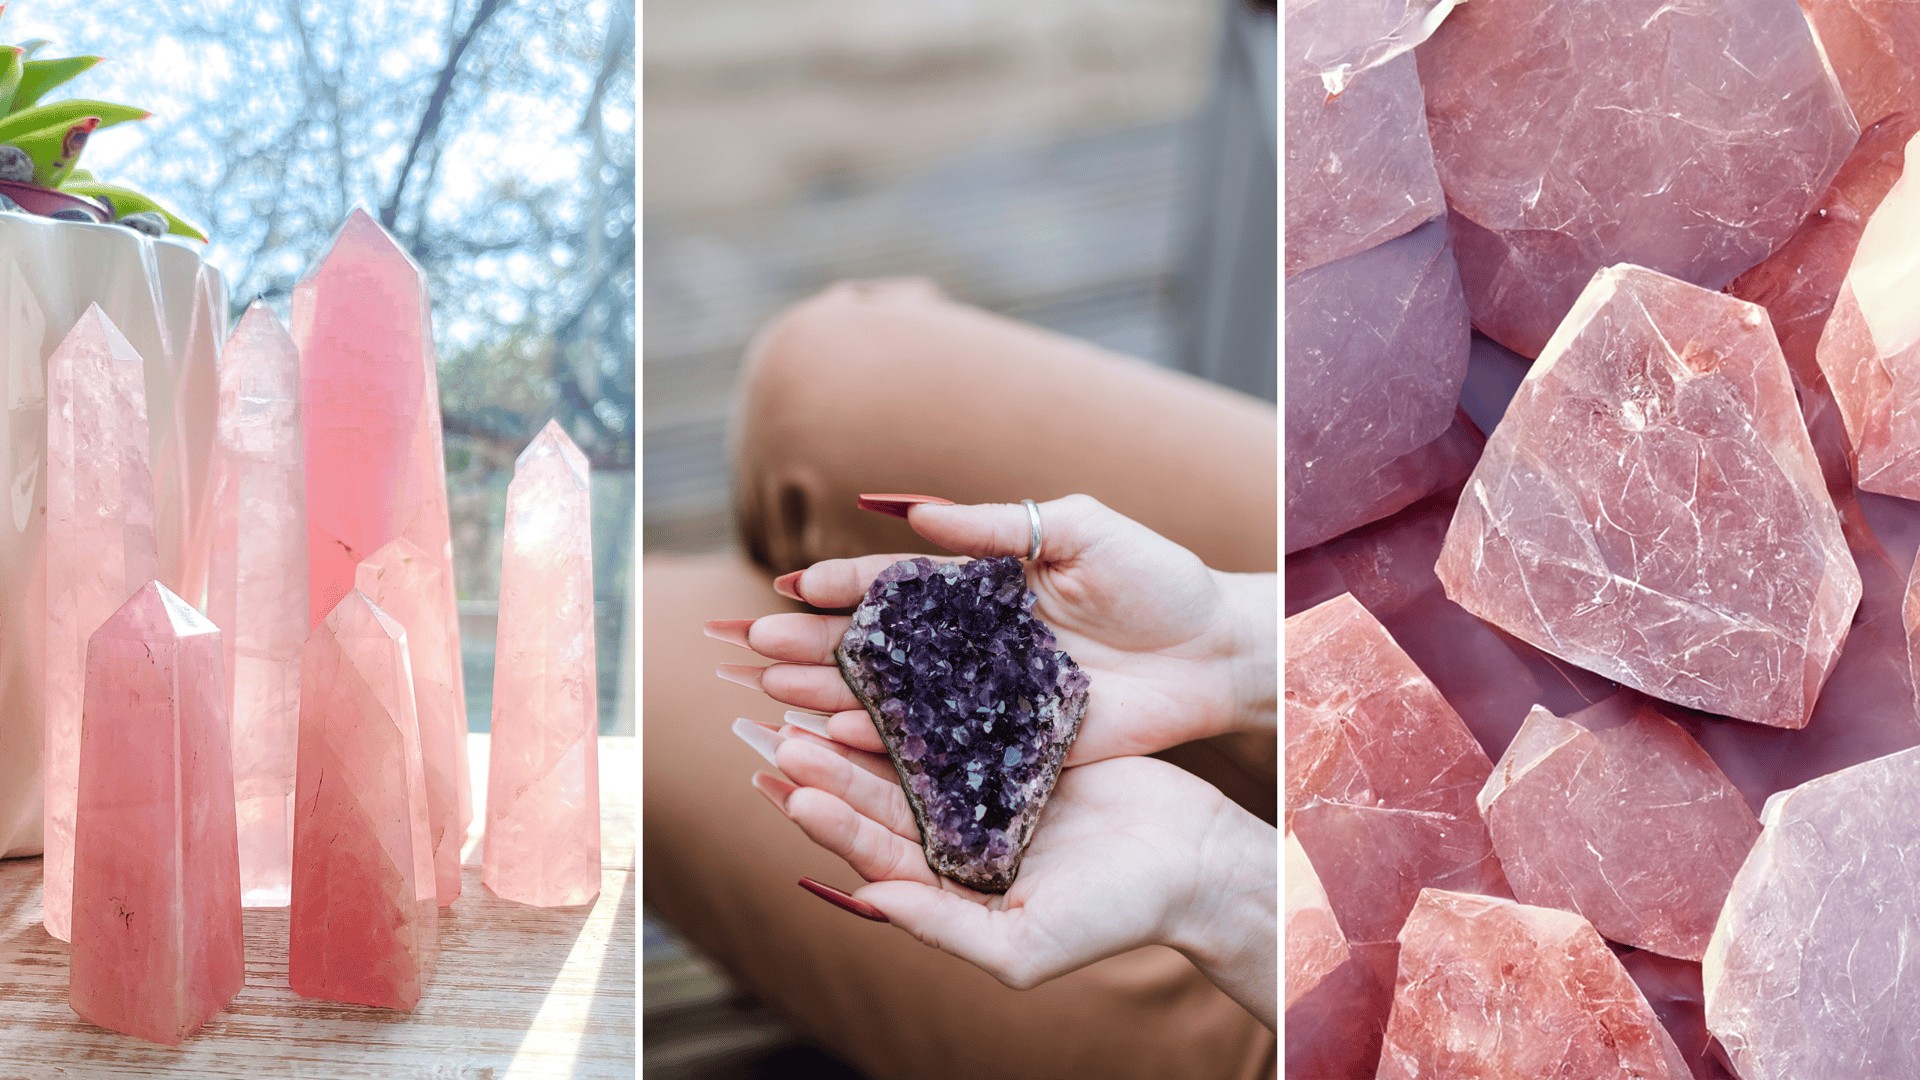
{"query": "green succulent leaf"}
(28, 48)
(39, 76)
(10, 68)
(128, 201)
(63, 113)
(54, 150)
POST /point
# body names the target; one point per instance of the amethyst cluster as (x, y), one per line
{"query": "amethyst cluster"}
(974, 701)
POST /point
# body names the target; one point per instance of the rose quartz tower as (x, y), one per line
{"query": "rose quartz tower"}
(156, 880)
(370, 412)
(364, 925)
(543, 774)
(404, 582)
(100, 549)
(257, 592)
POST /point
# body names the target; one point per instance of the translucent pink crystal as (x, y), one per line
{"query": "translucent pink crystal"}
(1808, 973)
(1498, 989)
(1874, 46)
(1334, 1031)
(1380, 773)
(1376, 351)
(1672, 988)
(257, 591)
(1314, 945)
(1336, 40)
(1650, 507)
(1617, 814)
(370, 410)
(156, 879)
(1570, 136)
(364, 922)
(404, 582)
(100, 549)
(543, 777)
(1870, 347)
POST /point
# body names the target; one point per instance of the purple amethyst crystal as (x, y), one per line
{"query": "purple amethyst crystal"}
(974, 701)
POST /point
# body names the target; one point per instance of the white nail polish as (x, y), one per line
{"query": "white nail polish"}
(764, 742)
(807, 721)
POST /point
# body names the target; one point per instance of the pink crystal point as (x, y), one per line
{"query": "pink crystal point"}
(1808, 973)
(1315, 945)
(257, 590)
(1570, 136)
(1870, 347)
(543, 778)
(364, 921)
(1652, 462)
(1493, 988)
(156, 879)
(406, 583)
(100, 549)
(1618, 815)
(370, 410)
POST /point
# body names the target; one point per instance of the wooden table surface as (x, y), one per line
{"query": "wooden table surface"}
(519, 992)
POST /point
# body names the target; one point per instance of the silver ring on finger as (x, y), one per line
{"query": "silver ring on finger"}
(1033, 524)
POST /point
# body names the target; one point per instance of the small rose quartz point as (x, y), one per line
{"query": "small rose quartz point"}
(1376, 352)
(1494, 988)
(1812, 970)
(1315, 945)
(1380, 773)
(1870, 346)
(1617, 814)
(405, 582)
(257, 589)
(370, 415)
(364, 921)
(542, 842)
(1650, 507)
(156, 881)
(101, 548)
(1569, 136)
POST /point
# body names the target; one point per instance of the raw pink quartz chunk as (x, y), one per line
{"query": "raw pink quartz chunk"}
(257, 591)
(364, 922)
(1672, 987)
(1569, 136)
(370, 413)
(1498, 989)
(100, 549)
(1870, 347)
(1812, 969)
(404, 582)
(1336, 40)
(1315, 945)
(1874, 46)
(1617, 814)
(1650, 507)
(543, 776)
(156, 881)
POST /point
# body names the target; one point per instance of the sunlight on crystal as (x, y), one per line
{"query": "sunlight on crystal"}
(558, 1028)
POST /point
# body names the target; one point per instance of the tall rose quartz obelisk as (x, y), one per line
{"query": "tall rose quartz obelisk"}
(257, 592)
(100, 549)
(543, 776)
(370, 413)
(404, 582)
(364, 925)
(156, 876)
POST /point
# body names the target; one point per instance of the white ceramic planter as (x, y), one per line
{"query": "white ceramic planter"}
(173, 307)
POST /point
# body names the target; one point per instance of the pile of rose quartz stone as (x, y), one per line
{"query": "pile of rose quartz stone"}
(303, 742)
(1603, 502)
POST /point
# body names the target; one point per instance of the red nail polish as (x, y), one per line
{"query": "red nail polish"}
(731, 631)
(788, 585)
(839, 899)
(897, 504)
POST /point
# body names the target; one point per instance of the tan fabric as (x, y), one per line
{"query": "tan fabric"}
(861, 389)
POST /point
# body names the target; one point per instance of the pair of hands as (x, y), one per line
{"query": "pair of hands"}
(1129, 850)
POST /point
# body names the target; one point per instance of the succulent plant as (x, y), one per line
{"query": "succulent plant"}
(53, 135)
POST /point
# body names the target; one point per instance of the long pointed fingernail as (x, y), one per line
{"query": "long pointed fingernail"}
(807, 721)
(841, 900)
(775, 788)
(731, 631)
(788, 585)
(746, 675)
(763, 739)
(897, 504)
